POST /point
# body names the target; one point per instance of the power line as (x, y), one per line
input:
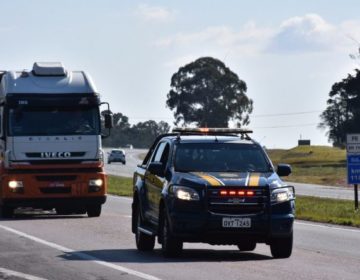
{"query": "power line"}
(251, 116)
(287, 126)
(284, 114)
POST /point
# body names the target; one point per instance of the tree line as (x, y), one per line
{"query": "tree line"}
(140, 135)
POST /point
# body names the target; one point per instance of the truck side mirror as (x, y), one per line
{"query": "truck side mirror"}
(156, 168)
(109, 120)
(283, 170)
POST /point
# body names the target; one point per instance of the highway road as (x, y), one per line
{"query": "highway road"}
(44, 246)
(41, 245)
(302, 189)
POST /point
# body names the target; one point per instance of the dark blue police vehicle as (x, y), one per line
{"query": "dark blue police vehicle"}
(211, 185)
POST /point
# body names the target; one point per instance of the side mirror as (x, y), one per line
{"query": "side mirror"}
(156, 168)
(109, 120)
(283, 170)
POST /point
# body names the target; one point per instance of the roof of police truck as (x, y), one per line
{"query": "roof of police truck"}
(47, 78)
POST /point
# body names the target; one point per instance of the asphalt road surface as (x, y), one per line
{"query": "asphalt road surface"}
(133, 158)
(35, 247)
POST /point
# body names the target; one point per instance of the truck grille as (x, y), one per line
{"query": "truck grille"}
(47, 178)
(240, 201)
(55, 190)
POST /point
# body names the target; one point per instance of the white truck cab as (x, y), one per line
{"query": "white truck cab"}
(50, 141)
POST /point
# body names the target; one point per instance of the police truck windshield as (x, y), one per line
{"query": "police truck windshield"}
(53, 121)
(220, 157)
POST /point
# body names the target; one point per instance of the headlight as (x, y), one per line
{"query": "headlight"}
(16, 186)
(185, 193)
(282, 195)
(96, 182)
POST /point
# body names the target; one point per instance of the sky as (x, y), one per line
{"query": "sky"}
(289, 52)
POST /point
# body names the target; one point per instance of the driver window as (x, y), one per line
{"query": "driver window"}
(162, 153)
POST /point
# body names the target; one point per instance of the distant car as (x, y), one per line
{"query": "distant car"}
(117, 155)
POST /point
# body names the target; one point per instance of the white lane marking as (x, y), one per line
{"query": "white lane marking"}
(120, 197)
(10, 273)
(328, 227)
(81, 255)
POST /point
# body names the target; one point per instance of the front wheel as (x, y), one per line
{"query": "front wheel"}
(281, 248)
(170, 245)
(94, 210)
(144, 242)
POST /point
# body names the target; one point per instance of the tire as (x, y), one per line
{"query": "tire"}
(170, 245)
(124, 162)
(144, 242)
(250, 246)
(6, 212)
(281, 248)
(93, 210)
(109, 162)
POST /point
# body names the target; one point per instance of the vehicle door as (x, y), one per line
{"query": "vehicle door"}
(155, 182)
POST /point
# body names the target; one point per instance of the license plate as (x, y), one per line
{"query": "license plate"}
(236, 222)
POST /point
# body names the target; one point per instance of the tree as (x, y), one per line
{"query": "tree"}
(207, 93)
(342, 114)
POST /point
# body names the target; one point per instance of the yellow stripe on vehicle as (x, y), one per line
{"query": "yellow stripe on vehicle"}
(213, 181)
(254, 180)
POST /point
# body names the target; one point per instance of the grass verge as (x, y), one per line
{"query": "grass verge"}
(326, 210)
(333, 211)
(120, 185)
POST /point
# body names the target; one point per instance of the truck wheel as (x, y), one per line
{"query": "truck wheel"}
(144, 242)
(170, 245)
(250, 246)
(109, 161)
(6, 211)
(281, 247)
(93, 210)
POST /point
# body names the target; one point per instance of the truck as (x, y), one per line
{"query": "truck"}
(216, 186)
(50, 141)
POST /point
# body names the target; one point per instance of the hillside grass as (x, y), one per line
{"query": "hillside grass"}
(340, 212)
(321, 165)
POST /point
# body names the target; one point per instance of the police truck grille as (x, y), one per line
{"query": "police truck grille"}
(237, 201)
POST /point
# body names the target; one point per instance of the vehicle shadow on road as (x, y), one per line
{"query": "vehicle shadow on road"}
(42, 216)
(188, 255)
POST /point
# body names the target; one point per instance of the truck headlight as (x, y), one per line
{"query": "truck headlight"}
(95, 182)
(95, 185)
(282, 194)
(16, 186)
(185, 193)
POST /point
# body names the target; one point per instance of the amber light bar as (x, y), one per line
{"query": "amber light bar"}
(236, 193)
(208, 130)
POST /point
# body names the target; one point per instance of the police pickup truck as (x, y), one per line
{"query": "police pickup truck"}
(216, 186)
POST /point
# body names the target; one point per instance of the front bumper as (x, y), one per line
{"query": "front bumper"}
(54, 202)
(204, 226)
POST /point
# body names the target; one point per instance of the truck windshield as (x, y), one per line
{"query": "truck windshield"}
(220, 157)
(53, 121)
